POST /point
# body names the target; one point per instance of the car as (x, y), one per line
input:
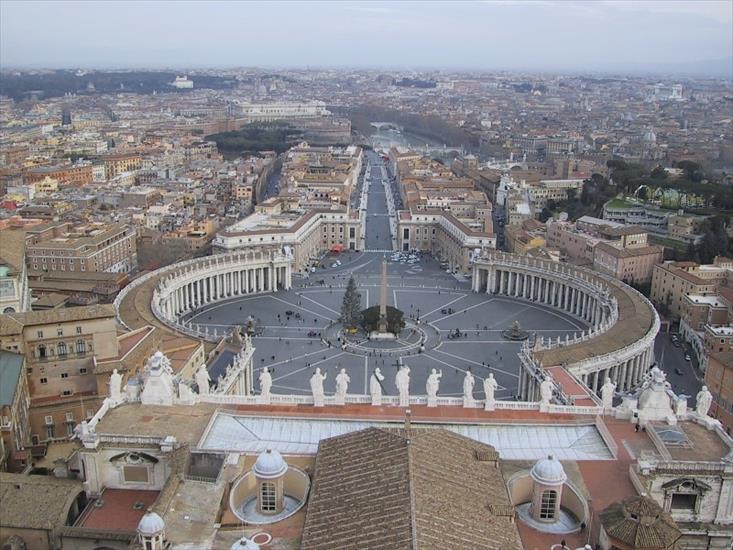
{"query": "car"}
(678, 372)
(444, 311)
(676, 343)
(288, 312)
(687, 357)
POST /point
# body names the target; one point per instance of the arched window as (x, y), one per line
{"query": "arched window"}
(61, 349)
(42, 351)
(81, 346)
(268, 497)
(548, 504)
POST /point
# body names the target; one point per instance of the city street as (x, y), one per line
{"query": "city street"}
(671, 360)
(378, 235)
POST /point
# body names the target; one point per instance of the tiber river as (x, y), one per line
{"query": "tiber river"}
(384, 139)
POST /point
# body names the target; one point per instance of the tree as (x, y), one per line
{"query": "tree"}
(659, 173)
(351, 306)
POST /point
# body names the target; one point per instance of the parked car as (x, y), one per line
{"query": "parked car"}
(678, 372)
(687, 357)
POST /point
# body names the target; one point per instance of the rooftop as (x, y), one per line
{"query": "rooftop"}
(117, 509)
(36, 502)
(11, 368)
(422, 493)
(254, 434)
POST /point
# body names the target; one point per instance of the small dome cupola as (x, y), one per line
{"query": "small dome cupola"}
(269, 470)
(270, 464)
(549, 471)
(549, 477)
(151, 531)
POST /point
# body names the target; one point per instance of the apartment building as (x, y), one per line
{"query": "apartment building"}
(673, 281)
(61, 348)
(719, 380)
(68, 355)
(72, 174)
(118, 163)
(62, 246)
(616, 249)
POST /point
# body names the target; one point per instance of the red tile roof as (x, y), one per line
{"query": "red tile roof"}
(118, 511)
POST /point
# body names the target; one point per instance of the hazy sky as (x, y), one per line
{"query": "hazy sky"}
(500, 34)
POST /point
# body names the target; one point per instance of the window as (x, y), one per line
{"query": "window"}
(548, 504)
(59, 332)
(44, 380)
(83, 370)
(268, 497)
(67, 393)
(69, 415)
(39, 334)
(81, 346)
(61, 349)
(64, 375)
(684, 502)
(135, 474)
(49, 432)
(42, 352)
(78, 330)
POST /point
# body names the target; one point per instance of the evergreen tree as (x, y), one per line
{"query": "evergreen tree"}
(351, 306)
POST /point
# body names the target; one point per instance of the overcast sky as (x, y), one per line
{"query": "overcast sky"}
(501, 34)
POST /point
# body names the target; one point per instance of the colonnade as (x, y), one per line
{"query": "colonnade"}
(624, 356)
(553, 289)
(192, 284)
(195, 292)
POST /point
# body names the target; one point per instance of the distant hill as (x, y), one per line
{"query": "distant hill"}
(60, 82)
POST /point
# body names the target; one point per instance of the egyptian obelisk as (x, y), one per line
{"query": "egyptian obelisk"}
(382, 327)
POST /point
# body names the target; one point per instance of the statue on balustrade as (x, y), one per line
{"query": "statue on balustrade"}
(433, 383)
(703, 401)
(490, 387)
(468, 384)
(265, 385)
(115, 386)
(316, 383)
(607, 392)
(203, 380)
(546, 389)
(342, 385)
(402, 381)
(375, 386)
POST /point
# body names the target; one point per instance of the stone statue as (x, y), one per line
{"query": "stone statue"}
(202, 380)
(375, 386)
(433, 383)
(402, 381)
(468, 383)
(490, 387)
(317, 387)
(185, 393)
(607, 391)
(115, 386)
(342, 384)
(546, 388)
(265, 385)
(703, 401)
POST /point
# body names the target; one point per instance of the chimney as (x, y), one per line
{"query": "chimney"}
(408, 423)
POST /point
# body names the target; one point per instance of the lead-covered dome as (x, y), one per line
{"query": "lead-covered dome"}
(270, 464)
(549, 471)
(151, 524)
